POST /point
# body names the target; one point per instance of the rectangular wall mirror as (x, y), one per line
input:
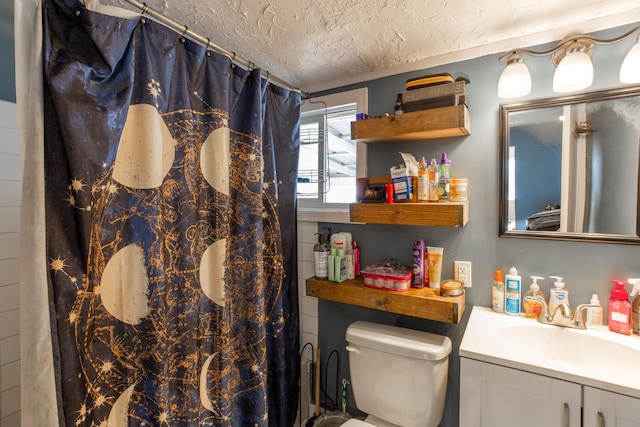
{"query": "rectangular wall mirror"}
(570, 167)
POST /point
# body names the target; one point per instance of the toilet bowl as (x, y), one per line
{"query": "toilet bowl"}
(398, 375)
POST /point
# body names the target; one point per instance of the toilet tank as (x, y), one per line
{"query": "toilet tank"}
(398, 375)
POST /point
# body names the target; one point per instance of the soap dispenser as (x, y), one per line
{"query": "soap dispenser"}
(619, 309)
(532, 309)
(594, 314)
(557, 295)
(635, 305)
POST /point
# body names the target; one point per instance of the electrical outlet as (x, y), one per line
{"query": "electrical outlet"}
(462, 272)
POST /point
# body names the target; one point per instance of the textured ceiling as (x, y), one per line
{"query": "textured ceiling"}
(322, 44)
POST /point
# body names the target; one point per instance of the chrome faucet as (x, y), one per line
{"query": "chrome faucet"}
(561, 315)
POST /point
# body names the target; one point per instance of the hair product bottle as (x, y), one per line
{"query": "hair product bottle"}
(320, 258)
(418, 263)
(513, 292)
(635, 305)
(497, 293)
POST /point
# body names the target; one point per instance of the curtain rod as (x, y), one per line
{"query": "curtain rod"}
(205, 41)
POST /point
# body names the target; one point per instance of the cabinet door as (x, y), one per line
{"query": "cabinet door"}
(607, 409)
(496, 396)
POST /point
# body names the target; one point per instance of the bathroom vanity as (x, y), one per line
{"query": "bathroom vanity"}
(516, 371)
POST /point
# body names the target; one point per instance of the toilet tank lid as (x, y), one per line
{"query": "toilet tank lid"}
(400, 341)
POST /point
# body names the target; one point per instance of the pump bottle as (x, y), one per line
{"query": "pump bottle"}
(619, 309)
(497, 293)
(557, 295)
(635, 305)
(594, 314)
(532, 309)
(320, 258)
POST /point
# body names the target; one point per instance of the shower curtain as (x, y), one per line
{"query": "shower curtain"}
(170, 233)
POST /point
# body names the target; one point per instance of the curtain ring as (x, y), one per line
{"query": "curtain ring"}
(207, 47)
(233, 60)
(182, 38)
(145, 8)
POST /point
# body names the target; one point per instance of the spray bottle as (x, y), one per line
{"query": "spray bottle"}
(497, 293)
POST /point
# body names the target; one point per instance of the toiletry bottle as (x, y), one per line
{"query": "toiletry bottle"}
(619, 309)
(320, 258)
(348, 256)
(594, 314)
(513, 292)
(497, 293)
(418, 263)
(557, 295)
(356, 258)
(444, 176)
(331, 264)
(532, 309)
(433, 181)
(423, 181)
(635, 305)
(399, 107)
(340, 266)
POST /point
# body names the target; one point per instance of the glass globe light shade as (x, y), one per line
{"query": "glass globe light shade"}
(630, 69)
(515, 80)
(574, 72)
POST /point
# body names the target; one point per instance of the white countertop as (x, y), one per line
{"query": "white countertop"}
(595, 357)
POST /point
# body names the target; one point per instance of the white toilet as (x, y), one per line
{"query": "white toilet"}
(398, 375)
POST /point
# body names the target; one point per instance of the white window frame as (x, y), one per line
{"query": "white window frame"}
(335, 212)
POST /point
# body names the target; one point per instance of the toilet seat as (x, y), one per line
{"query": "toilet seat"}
(356, 423)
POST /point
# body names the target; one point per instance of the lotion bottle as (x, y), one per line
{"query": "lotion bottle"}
(532, 309)
(513, 292)
(320, 258)
(557, 295)
(594, 315)
(635, 305)
(619, 309)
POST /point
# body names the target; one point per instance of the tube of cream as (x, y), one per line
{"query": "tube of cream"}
(434, 257)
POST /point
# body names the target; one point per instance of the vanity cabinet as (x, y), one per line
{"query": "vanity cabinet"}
(606, 409)
(444, 122)
(498, 396)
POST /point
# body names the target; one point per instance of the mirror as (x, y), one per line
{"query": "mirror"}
(570, 167)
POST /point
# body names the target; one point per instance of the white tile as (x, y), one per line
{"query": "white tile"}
(11, 420)
(309, 306)
(9, 245)
(10, 143)
(10, 401)
(9, 324)
(307, 270)
(9, 376)
(307, 231)
(10, 219)
(306, 252)
(309, 324)
(308, 338)
(9, 297)
(8, 114)
(10, 167)
(9, 349)
(9, 270)
(11, 193)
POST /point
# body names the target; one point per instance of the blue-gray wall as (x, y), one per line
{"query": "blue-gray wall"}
(586, 267)
(7, 70)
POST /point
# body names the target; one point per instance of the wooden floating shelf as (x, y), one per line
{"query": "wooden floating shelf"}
(421, 303)
(444, 122)
(453, 214)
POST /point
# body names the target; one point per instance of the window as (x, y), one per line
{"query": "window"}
(329, 160)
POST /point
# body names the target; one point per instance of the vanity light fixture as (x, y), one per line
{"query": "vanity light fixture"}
(572, 59)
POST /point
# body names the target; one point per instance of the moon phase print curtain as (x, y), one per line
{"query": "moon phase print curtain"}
(170, 228)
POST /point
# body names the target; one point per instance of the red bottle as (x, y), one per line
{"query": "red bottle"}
(619, 309)
(356, 258)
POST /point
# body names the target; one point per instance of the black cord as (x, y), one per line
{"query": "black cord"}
(331, 404)
(300, 382)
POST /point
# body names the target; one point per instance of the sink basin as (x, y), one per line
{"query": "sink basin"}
(596, 356)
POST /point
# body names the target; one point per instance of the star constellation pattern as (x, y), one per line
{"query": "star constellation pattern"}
(156, 345)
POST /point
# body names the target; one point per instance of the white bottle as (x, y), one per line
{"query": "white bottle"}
(513, 292)
(557, 295)
(594, 315)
